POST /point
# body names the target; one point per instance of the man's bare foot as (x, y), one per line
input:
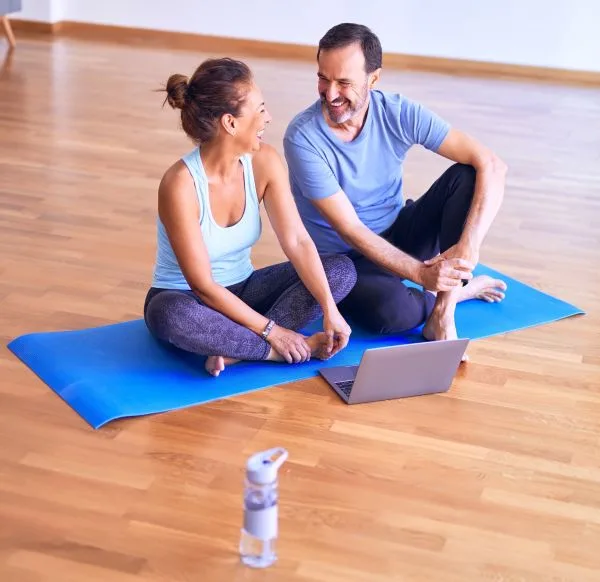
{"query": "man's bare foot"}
(483, 287)
(216, 364)
(441, 326)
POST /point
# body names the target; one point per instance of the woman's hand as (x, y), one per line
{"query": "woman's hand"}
(337, 332)
(290, 345)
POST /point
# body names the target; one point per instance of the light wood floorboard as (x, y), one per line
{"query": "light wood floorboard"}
(497, 480)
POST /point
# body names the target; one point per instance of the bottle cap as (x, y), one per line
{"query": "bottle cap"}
(262, 467)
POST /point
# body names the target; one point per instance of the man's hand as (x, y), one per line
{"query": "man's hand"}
(291, 345)
(460, 250)
(444, 274)
(337, 331)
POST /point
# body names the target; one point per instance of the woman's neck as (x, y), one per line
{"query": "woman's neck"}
(220, 161)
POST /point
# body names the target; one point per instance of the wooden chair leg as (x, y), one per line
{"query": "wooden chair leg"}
(9, 32)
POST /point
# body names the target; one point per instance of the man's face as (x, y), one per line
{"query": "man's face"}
(343, 82)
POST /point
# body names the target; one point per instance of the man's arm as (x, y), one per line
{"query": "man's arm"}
(320, 186)
(340, 213)
(489, 190)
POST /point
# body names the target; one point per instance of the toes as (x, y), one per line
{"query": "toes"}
(322, 354)
(216, 370)
(492, 298)
(215, 365)
(496, 295)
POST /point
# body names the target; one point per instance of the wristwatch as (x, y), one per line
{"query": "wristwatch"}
(265, 332)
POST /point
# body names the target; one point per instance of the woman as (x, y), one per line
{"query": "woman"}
(206, 297)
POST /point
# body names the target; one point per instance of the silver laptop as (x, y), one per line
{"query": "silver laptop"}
(398, 371)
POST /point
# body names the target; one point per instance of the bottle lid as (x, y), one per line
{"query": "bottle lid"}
(262, 467)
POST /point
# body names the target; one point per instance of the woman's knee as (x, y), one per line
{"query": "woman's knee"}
(169, 314)
(341, 275)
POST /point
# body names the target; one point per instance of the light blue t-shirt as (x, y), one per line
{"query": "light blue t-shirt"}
(229, 248)
(368, 169)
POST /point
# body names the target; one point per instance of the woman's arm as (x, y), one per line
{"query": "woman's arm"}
(293, 237)
(179, 212)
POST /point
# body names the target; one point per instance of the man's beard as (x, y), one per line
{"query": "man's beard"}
(347, 112)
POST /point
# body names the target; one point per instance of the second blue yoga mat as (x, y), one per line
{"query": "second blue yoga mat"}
(119, 370)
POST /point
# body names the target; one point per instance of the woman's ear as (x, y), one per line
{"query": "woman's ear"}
(229, 123)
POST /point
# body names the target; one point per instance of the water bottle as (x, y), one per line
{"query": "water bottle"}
(259, 533)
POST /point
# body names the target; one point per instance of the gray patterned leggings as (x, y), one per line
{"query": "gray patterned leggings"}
(180, 318)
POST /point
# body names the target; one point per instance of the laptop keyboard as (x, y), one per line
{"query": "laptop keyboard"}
(345, 386)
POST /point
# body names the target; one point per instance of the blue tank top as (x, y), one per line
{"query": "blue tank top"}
(228, 247)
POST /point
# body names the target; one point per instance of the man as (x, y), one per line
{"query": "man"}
(345, 155)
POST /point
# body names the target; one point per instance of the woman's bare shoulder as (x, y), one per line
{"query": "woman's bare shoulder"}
(266, 163)
(177, 190)
(175, 177)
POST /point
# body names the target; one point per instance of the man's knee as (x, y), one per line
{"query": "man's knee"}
(394, 316)
(341, 275)
(463, 176)
(394, 322)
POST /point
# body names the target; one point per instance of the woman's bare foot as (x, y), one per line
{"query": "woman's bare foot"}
(318, 345)
(483, 287)
(216, 364)
(317, 342)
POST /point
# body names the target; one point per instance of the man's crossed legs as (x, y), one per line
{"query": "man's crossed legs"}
(382, 302)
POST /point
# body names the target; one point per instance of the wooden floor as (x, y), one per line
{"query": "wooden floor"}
(497, 480)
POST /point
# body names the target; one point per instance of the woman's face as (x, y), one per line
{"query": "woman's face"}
(252, 121)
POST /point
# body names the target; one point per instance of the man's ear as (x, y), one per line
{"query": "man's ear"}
(229, 123)
(374, 78)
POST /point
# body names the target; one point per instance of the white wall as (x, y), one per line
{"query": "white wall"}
(547, 33)
(36, 10)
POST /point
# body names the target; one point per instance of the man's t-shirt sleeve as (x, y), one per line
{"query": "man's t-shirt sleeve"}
(419, 125)
(309, 172)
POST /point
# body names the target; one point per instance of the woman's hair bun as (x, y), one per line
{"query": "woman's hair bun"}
(176, 90)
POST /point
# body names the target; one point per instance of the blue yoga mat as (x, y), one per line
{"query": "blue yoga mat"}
(119, 370)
